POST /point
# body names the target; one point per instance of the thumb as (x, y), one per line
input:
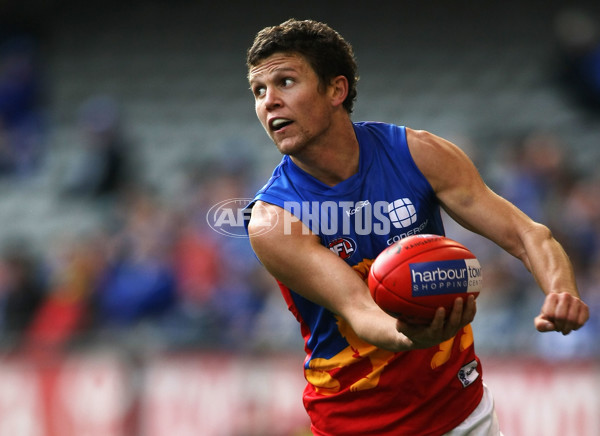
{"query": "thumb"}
(542, 324)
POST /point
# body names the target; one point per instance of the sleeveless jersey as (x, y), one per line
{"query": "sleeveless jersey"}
(353, 387)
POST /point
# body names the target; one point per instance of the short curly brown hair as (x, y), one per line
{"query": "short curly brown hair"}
(325, 50)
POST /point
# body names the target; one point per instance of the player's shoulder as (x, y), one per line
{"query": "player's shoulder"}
(422, 138)
(271, 220)
(270, 227)
(263, 217)
(425, 146)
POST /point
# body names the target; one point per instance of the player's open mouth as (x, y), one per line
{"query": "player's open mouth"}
(280, 123)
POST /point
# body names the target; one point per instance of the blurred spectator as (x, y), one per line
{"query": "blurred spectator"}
(580, 224)
(196, 246)
(578, 38)
(272, 326)
(221, 286)
(22, 127)
(74, 271)
(139, 281)
(104, 167)
(23, 289)
(535, 174)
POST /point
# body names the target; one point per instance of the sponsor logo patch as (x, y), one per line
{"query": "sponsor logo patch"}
(445, 277)
(468, 373)
(402, 213)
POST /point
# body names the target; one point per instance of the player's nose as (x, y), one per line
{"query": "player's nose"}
(272, 98)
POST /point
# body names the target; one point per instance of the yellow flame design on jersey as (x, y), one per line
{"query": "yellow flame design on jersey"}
(320, 372)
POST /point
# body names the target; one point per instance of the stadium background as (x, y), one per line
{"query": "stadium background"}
(123, 313)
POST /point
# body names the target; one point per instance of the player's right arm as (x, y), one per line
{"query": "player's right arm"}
(295, 256)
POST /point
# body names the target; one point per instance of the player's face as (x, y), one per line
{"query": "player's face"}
(289, 103)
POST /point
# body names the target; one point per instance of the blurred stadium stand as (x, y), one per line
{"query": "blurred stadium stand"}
(490, 77)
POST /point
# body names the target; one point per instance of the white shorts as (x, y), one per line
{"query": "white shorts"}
(482, 421)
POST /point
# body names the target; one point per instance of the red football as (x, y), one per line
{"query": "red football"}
(413, 277)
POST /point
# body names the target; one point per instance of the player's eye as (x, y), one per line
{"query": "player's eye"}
(287, 81)
(259, 91)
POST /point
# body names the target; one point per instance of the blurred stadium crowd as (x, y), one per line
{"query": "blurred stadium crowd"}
(154, 276)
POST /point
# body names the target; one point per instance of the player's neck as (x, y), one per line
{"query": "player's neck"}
(334, 159)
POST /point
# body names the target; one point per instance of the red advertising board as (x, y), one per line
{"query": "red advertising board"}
(536, 398)
(214, 394)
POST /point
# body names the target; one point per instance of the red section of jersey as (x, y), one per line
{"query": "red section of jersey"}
(409, 400)
(363, 390)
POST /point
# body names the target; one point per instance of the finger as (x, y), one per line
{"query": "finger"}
(454, 320)
(401, 326)
(577, 316)
(469, 311)
(560, 314)
(555, 310)
(569, 312)
(571, 320)
(549, 306)
(438, 320)
(584, 314)
(563, 306)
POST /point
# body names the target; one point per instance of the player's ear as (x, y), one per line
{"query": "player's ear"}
(338, 89)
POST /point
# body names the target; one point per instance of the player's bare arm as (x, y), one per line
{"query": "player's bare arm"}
(466, 198)
(293, 255)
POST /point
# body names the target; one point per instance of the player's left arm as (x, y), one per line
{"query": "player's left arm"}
(467, 199)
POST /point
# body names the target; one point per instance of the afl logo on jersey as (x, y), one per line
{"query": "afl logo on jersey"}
(343, 247)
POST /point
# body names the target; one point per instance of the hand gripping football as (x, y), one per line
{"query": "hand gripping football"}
(420, 273)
